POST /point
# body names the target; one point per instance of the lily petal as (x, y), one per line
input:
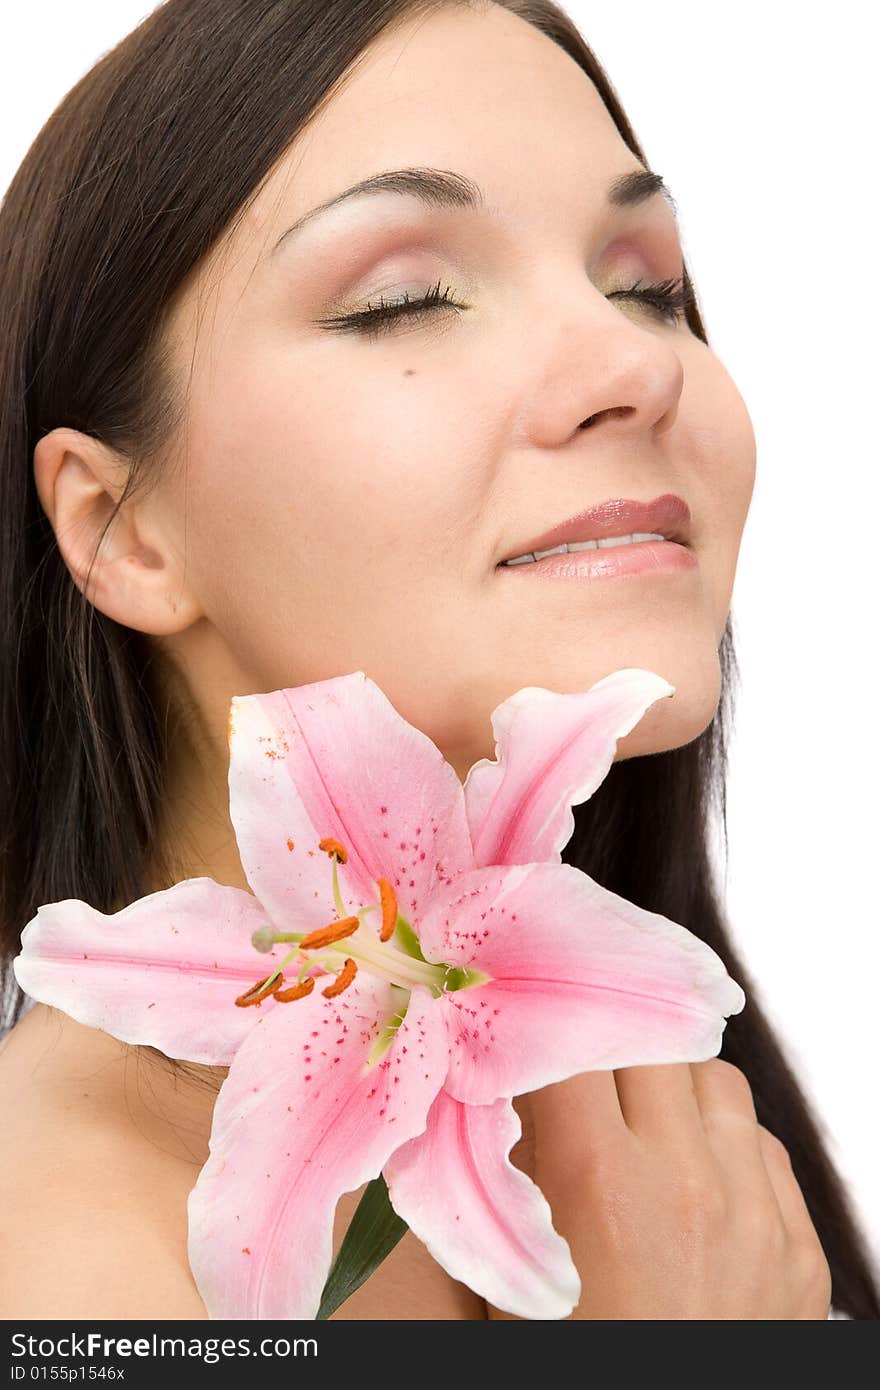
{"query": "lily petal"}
(480, 1217)
(582, 980)
(300, 1119)
(336, 759)
(552, 750)
(164, 971)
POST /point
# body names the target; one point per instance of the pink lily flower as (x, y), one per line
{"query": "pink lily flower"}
(490, 969)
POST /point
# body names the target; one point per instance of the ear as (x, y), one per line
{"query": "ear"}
(137, 575)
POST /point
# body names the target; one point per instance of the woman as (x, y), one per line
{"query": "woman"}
(248, 446)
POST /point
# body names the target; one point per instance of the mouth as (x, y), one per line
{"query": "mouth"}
(649, 558)
(615, 525)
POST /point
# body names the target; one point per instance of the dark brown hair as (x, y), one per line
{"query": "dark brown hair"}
(144, 165)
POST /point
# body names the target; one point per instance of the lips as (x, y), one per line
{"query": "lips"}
(667, 516)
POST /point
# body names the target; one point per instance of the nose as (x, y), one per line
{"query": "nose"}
(615, 411)
(631, 379)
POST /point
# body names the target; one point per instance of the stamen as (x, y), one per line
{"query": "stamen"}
(388, 900)
(333, 847)
(334, 931)
(296, 991)
(261, 990)
(346, 975)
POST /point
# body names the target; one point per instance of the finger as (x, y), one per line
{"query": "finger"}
(792, 1203)
(578, 1114)
(731, 1126)
(659, 1100)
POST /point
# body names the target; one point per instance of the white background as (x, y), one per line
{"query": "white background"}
(759, 119)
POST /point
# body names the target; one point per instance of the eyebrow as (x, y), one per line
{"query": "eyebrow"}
(446, 189)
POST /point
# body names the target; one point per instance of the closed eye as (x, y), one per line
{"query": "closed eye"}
(670, 298)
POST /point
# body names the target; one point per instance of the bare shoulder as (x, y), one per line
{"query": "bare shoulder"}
(101, 1148)
(99, 1157)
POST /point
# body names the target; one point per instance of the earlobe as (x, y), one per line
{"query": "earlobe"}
(120, 559)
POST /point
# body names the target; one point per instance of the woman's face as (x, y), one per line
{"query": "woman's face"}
(344, 499)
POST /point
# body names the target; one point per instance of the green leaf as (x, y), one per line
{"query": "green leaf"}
(372, 1234)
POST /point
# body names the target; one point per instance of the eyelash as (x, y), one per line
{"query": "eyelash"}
(669, 297)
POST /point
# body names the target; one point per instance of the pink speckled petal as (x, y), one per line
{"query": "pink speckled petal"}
(552, 751)
(582, 980)
(481, 1218)
(335, 758)
(163, 972)
(300, 1119)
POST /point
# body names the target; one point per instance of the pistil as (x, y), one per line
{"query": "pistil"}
(402, 968)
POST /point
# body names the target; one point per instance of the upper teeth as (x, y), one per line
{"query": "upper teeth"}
(584, 545)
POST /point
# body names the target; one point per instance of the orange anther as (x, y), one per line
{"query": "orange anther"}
(334, 847)
(258, 992)
(296, 991)
(342, 981)
(388, 899)
(334, 931)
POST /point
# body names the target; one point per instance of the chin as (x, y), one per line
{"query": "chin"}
(676, 722)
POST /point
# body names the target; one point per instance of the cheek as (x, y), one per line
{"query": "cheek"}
(343, 511)
(725, 438)
(370, 459)
(717, 429)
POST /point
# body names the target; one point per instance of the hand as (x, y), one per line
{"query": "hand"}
(675, 1202)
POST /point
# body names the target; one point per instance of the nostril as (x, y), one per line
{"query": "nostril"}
(613, 411)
